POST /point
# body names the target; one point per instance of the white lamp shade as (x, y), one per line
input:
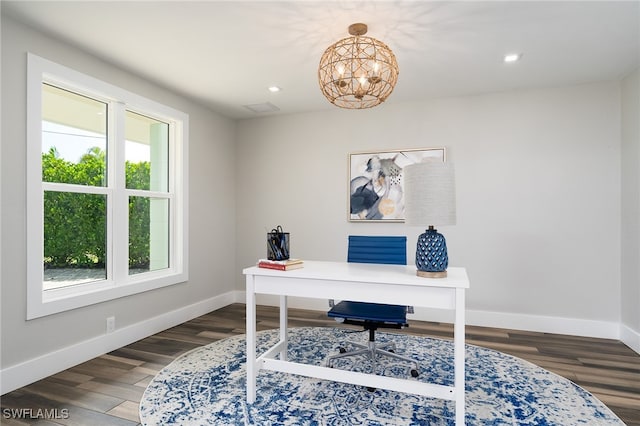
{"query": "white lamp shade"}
(429, 193)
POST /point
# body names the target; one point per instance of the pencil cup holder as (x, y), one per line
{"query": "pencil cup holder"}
(278, 245)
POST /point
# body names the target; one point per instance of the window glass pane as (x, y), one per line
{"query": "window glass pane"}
(74, 138)
(148, 234)
(146, 153)
(75, 245)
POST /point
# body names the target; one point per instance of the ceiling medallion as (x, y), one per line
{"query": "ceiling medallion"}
(357, 72)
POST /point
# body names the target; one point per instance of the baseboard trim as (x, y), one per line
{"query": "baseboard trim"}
(537, 323)
(546, 324)
(27, 372)
(630, 337)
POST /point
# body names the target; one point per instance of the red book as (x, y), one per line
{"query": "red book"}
(280, 267)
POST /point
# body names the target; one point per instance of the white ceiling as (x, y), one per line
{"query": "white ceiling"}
(225, 54)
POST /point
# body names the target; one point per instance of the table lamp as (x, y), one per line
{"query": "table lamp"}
(429, 200)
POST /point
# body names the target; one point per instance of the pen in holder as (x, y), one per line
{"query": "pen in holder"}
(277, 244)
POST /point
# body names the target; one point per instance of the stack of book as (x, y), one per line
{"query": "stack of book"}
(281, 265)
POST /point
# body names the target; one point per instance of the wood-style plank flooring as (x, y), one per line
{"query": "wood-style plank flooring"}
(107, 390)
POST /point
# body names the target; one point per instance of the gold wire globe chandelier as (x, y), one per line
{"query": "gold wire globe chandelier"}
(357, 72)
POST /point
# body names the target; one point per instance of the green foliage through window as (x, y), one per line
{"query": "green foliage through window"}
(75, 223)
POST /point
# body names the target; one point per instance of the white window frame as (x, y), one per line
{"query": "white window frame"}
(118, 283)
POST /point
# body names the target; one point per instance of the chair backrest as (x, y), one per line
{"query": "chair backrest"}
(377, 249)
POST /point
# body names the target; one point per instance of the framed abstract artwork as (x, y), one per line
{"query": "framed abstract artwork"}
(376, 187)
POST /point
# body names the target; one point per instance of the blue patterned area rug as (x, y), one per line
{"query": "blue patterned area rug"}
(206, 386)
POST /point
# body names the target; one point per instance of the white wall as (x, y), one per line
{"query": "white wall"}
(538, 192)
(630, 301)
(28, 345)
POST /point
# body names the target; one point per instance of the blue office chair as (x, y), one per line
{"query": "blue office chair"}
(374, 249)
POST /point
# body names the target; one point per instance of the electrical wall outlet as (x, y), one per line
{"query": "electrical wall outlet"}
(111, 324)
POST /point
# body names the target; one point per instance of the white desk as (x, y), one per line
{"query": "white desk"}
(392, 284)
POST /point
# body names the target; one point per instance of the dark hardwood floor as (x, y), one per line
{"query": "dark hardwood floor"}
(107, 390)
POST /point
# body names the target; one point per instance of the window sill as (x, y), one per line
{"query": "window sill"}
(64, 299)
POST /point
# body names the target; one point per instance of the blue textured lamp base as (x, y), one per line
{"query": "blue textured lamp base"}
(431, 254)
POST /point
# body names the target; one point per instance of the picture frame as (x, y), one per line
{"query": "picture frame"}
(375, 185)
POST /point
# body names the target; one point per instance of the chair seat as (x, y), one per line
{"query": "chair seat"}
(374, 312)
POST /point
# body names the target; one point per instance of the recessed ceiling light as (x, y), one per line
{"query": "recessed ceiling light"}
(274, 89)
(512, 57)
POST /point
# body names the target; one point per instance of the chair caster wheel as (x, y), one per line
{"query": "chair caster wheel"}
(342, 350)
(414, 373)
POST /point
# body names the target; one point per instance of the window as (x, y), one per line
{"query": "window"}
(106, 191)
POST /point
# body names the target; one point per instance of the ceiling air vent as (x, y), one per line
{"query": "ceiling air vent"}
(262, 108)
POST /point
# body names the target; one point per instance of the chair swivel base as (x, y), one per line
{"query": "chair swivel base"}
(373, 349)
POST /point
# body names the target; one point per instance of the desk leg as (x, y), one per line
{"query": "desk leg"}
(251, 339)
(284, 335)
(459, 356)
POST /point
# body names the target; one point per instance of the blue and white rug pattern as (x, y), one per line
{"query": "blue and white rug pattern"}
(206, 386)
